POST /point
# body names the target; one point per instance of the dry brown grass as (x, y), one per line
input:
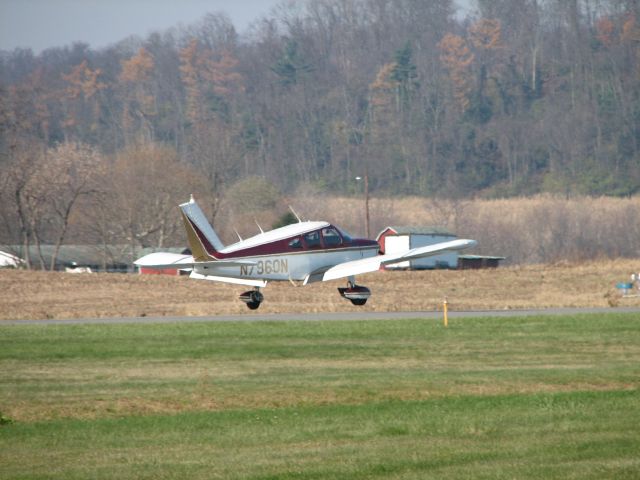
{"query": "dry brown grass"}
(54, 295)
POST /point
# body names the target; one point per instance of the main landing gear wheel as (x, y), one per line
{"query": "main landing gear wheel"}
(357, 294)
(253, 298)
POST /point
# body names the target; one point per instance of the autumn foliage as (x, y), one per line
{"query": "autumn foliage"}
(517, 98)
(458, 58)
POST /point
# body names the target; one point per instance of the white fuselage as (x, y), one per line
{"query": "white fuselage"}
(288, 266)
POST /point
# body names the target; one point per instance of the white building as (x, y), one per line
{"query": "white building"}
(398, 239)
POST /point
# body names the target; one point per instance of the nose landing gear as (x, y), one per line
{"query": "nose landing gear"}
(253, 298)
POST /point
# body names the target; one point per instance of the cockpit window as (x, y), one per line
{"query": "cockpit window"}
(312, 239)
(345, 236)
(295, 243)
(331, 237)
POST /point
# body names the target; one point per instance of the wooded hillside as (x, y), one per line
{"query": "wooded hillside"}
(517, 98)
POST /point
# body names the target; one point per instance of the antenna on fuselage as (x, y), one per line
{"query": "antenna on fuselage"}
(239, 237)
(261, 231)
(295, 214)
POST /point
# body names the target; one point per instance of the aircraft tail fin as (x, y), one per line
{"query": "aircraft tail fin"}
(203, 240)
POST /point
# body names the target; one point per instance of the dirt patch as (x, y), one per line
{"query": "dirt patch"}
(55, 295)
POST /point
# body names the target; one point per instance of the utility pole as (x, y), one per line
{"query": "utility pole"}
(366, 203)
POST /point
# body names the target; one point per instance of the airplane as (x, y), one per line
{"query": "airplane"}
(306, 252)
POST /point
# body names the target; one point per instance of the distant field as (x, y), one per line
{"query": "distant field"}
(534, 397)
(42, 295)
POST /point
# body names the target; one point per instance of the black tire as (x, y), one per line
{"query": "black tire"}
(256, 297)
(253, 305)
(358, 301)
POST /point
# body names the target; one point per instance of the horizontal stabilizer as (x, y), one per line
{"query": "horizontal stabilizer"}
(165, 260)
(174, 260)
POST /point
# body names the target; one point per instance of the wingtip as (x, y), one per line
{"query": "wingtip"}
(468, 243)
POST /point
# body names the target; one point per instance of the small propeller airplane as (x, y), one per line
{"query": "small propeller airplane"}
(304, 252)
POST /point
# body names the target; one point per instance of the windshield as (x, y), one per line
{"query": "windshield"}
(345, 236)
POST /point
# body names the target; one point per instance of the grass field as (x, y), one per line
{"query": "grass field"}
(532, 397)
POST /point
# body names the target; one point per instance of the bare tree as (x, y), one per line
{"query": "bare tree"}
(140, 190)
(43, 188)
(16, 179)
(68, 172)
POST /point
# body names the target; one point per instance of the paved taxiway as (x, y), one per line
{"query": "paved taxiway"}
(278, 317)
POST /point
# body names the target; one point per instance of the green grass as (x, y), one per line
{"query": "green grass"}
(532, 397)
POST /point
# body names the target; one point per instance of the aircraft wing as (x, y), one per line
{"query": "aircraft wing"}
(372, 264)
(162, 260)
(165, 260)
(235, 280)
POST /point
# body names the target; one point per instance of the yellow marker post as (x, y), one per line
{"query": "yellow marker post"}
(444, 309)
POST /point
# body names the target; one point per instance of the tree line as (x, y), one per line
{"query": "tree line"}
(515, 98)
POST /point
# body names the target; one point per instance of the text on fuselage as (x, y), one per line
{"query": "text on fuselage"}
(266, 267)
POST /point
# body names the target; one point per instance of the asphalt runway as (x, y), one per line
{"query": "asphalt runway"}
(342, 316)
